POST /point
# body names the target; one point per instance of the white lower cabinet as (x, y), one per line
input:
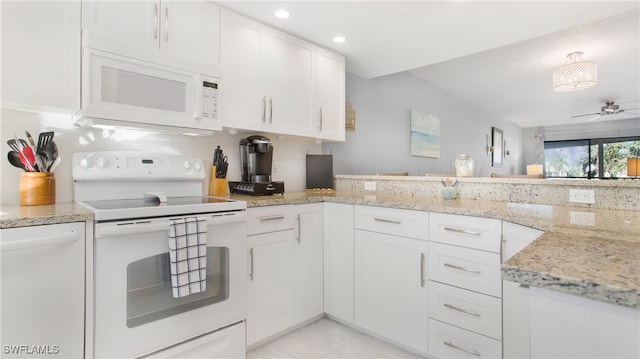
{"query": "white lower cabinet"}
(43, 291)
(465, 287)
(338, 261)
(390, 274)
(271, 272)
(285, 268)
(448, 341)
(308, 260)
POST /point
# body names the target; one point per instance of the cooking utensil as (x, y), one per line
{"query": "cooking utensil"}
(16, 146)
(43, 139)
(52, 167)
(14, 159)
(39, 158)
(51, 153)
(29, 154)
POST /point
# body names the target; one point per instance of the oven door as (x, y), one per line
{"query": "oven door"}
(135, 312)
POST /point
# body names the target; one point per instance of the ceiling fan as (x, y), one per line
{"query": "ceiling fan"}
(610, 108)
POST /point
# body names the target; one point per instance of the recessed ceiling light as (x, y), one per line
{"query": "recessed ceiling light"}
(282, 14)
(339, 39)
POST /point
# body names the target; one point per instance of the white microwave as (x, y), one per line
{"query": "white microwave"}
(124, 89)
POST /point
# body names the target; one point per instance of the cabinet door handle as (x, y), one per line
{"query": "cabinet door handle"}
(156, 22)
(384, 220)
(299, 223)
(274, 218)
(457, 347)
(166, 24)
(251, 264)
(264, 108)
(422, 257)
(270, 109)
(320, 118)
(464, 231)
(470, 270)
(451, 306)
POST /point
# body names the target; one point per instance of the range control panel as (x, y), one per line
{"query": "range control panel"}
(127, 165)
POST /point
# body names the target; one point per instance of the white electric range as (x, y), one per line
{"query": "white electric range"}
(134, 196)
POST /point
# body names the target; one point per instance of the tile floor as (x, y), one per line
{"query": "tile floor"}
(328, 339)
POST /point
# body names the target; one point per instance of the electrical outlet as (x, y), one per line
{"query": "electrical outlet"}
(582, 218)
(369, 186)
(582, 196)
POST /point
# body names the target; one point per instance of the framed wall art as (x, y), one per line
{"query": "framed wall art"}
(424, 134)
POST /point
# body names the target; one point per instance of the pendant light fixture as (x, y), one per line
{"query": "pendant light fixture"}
(575, 75)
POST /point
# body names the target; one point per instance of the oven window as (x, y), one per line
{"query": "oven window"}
(149, 294)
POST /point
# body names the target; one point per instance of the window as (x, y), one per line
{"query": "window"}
(590, 158)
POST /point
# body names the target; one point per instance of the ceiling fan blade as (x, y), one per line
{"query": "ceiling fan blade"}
(586, 114)
(595, 118)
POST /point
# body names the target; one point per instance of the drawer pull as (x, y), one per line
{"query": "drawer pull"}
(251, 262)
(470, 270)
(422, 256)
(451, 306)
(464, 231)
(274, 218)
(383, 220)
(457, 347)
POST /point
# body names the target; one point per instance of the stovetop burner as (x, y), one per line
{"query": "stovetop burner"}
(146, 202)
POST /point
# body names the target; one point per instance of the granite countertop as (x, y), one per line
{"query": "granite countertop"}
(599, 261)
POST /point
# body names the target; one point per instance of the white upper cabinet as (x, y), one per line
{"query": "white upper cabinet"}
(181, 34)
(41, 55)
(331, 96)
(243, 63)
(275, 82)
(290, 84)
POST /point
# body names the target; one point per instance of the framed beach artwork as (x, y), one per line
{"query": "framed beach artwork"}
(425, 134)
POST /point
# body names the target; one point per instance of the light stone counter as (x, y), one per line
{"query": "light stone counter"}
(599, 261)
(12, 216)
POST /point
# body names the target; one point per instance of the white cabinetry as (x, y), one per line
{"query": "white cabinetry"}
(308, 281)
(270, 76)
(181, 34)
(331, 96)
(564, 326)
(278, 83)
(271, 271)
(338, 261)
(285, 268)
(41, 55)
(43, 290)
(390, 274)
(465, 294)
(515, 298)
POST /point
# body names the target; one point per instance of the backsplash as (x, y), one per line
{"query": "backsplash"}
(612, 194)
(289, 152)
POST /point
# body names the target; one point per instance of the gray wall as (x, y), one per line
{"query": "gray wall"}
(380, 143)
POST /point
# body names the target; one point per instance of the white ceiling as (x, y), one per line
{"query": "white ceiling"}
(496, 54)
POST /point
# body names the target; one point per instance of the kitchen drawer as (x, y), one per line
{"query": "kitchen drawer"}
(466, 268)
(447, 341)
(269, 219)
(476, 312)
(466, 231)
(394, 221)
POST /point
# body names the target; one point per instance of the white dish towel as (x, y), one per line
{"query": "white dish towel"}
(188, 255)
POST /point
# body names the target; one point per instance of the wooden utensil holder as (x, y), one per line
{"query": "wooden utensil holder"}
(37, 188)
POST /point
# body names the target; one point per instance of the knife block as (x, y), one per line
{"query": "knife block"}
(37, 188)
(217, 186)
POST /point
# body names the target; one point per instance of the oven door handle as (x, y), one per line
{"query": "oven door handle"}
(146, 226)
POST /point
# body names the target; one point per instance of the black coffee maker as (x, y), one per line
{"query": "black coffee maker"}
(256, 158)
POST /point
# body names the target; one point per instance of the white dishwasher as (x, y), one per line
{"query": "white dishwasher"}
(43, 270)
